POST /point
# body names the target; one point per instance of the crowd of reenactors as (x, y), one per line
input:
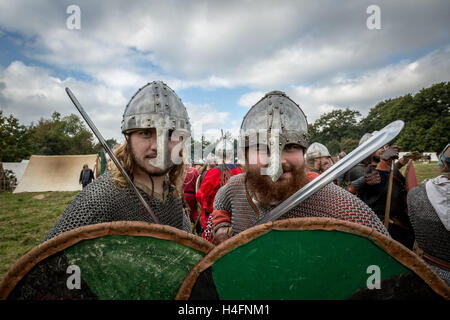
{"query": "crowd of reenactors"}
(223, 197)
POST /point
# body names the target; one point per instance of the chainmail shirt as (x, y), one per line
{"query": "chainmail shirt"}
(430, 233)
(104, 201)
(330, 202)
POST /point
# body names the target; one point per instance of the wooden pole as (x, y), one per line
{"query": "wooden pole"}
(387, 211)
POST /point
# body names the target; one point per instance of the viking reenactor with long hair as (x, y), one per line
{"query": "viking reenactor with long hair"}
(273, 141)
(155, 124)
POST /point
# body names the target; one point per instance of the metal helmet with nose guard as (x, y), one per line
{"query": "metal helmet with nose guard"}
(157, 106)
(276, 121)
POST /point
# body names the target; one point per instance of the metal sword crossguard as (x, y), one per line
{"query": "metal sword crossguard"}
(111, 154)
(377, 141)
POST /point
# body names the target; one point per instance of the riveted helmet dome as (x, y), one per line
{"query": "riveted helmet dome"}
(155, 105)
(152, 105)
(276, 120)
(366, 137)
(317, 150)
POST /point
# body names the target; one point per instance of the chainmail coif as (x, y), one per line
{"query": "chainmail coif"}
(104, 201)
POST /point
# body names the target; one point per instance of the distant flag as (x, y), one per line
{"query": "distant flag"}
(410, 174)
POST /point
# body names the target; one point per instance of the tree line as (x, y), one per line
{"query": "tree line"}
(56, 136)
(426, 115)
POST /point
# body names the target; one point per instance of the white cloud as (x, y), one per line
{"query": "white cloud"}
(224, 44)
(209, 122)
(364, 91)
(249, 99)
(374, 86)
(320, 53)
(206, 120)
(30, 93)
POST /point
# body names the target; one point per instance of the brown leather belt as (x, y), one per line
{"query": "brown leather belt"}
(251, 203)
(436, 261)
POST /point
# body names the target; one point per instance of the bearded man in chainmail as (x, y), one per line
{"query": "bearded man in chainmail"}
(274, 138)
(155, 125)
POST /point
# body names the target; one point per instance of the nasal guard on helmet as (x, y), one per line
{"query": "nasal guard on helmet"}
(276, 121)
(157, 106)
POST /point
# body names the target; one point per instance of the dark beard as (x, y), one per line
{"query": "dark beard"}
(268, 192)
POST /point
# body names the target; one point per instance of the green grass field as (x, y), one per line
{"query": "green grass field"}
(424, 171)
(24, 220)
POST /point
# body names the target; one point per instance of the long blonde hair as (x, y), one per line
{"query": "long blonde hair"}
(123, 154)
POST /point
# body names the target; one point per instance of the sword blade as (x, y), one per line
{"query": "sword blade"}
(363, 151)
(111, 154)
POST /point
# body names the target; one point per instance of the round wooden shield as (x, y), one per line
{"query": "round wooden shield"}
(116, 260)
(312, 258)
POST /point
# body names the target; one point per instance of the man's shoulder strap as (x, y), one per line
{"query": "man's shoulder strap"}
(225, 174)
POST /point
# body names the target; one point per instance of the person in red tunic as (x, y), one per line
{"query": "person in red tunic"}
(189, 192)
(214, 179)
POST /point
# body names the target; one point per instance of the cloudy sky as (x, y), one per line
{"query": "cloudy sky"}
(219, 56)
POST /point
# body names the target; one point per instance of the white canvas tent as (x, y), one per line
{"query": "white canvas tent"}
(18, 168)
(433, 156)
(54, 173)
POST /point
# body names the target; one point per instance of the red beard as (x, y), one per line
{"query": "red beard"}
(268, 192)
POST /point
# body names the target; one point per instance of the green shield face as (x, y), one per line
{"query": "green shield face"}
(112, 261)
(313, 258)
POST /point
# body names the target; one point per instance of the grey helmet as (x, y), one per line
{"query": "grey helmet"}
(366, 137)
(317, 150)
(276, 120)
(211, 158)
(157, 106)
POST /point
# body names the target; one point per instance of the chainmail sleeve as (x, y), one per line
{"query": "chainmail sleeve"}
(430, 233)
(104, 201)
(329, 202)
(222, 201)
(335, 202)
(186, 224)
